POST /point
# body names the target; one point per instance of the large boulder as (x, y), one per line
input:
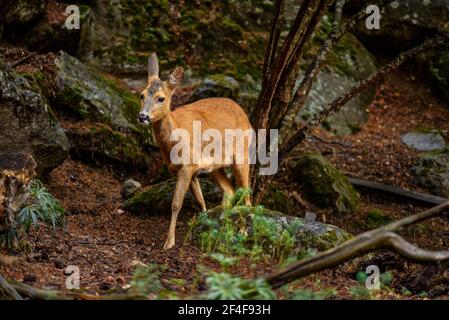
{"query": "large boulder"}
(209, 37)
(83, 92)
(271, 231)
(404, 24)
(27, 123)
(324, 184)
(157, 199)
(432, 172)
(106, 115)
(349, 63)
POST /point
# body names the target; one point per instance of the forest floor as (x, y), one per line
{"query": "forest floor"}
(107, 243)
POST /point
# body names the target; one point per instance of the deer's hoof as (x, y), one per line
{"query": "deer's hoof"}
(169, 243)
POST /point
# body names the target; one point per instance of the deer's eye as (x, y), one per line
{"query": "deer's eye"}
(160, 99)
(142, 96)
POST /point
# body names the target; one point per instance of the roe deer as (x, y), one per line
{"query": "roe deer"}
(213, 113)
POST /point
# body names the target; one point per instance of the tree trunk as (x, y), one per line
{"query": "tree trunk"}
(16, 172)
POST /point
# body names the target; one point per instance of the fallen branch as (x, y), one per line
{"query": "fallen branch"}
(422, 197)
(42, 294)
(7, 291)
(22, 60)
(368, 241)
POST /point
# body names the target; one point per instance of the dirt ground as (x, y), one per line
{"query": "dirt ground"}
(107, 243)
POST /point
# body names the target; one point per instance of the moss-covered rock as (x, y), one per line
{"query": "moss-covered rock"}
(106, 115)
(27, 123)
(157, 199)
(349, 63)
(97, 142)
(272, 226)
(211, 37)
(432, 172)
(83, 92)
(324, 184)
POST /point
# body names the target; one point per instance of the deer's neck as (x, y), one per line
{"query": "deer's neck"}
(162, 130)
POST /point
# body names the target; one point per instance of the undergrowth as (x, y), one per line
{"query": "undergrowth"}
(41, 208)
(242, 230)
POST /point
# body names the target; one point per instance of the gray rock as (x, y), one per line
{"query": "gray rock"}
(348, 64)
(424, 141)
(130, 187)
(85, 93)
(217, 85)
(432, 172)
(328, 86)
(27, 123)
(111, 130)
(310, 234)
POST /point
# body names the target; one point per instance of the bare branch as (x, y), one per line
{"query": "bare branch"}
(273, 41)
(338, 103)
(7, 291)
(337, 32)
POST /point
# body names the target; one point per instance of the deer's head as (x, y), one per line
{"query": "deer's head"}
(156, 97)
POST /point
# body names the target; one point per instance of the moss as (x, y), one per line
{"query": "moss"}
(101, 141)
(213, 35)
(347, 58)
(267, 232)
(278, 200)
(324, 184)
(157, 199)
(376, 218)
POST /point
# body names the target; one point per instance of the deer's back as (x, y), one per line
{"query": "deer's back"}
(214, 113)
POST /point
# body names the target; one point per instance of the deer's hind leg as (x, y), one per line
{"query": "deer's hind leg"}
(241, 173)
(222, 180)
(184, 179)
(195, 188)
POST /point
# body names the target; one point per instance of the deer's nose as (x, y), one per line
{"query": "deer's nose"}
(143, 118)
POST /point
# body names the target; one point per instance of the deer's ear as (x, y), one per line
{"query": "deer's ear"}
(153, 66)
(176, 77)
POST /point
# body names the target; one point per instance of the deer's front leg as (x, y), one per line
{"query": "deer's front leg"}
(184, 178)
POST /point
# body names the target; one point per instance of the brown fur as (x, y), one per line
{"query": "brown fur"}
(213, 113)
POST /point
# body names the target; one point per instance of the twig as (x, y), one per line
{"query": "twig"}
(22, 60)
(343, 144)
(299, 199)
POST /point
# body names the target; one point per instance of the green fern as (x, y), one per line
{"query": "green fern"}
(42, 207)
